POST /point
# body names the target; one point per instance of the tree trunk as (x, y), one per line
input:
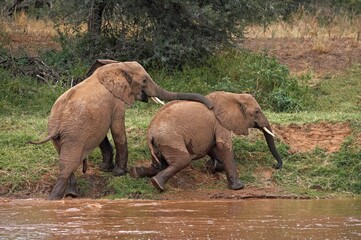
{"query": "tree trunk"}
(95, 17)
(14, 7)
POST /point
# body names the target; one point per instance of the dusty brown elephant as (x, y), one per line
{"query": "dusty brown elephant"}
(81, 117)
(184, 131)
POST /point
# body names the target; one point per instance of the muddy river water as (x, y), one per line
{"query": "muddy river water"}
(133, 219)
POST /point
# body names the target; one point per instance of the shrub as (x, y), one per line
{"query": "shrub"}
(260, 75)
(162, 33)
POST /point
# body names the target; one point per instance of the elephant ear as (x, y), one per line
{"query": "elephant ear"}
(98, 63)
(118, 82)
(230, 112)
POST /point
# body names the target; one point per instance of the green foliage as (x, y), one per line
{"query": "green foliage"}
(165, 33)
(262, 76)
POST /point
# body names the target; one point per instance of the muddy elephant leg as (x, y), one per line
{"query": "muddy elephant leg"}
(71, 189)
(177, 162)
(121, 147)
(227, 157)
(107, 152)
(69, 161)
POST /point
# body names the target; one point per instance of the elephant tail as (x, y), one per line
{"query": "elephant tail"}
(48, 138)
(153, 150)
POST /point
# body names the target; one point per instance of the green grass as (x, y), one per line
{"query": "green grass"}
(22, 163)
(25, 95)
(323, 173)
(25, 104)
(342, 93)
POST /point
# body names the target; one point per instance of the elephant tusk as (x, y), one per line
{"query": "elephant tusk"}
(153, 99)
(160, 101)
(268, 131)
(157, 100)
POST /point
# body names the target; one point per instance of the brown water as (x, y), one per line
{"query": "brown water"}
(125, 219)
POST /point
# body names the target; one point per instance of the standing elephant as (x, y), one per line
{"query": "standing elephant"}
(184, 131)
(81, 117)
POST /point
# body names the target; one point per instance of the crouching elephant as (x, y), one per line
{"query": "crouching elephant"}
(183, 131)
(81, 117)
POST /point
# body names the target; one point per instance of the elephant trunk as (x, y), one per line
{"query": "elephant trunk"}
(169, 96)
(272, 147)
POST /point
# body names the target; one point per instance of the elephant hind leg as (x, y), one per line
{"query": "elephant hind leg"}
(71, 189)
(177, 161)
(107, 152)
(69, 160)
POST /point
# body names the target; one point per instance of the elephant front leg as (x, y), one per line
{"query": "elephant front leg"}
(107, 152)
(121, 146)
(227, 157)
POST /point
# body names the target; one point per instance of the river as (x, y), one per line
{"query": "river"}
(136, 219)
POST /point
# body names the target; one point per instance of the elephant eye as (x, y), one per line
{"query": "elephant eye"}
(144, 80)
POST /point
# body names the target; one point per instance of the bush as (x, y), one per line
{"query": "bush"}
(262, 76)
(163, 33)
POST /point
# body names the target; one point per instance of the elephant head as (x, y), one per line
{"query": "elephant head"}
(129, 81)
(239, 112)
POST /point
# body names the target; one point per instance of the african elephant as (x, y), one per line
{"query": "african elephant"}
(184, 131)
(81, 117)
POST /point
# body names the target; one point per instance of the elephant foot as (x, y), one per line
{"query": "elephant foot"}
(59, 188)
(71, 190)
(236, 185)
(157, 184)
(117, 171)
(106, 167)
(72, 193)
(55, 196)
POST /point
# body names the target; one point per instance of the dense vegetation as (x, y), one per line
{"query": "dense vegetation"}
(165, 33)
